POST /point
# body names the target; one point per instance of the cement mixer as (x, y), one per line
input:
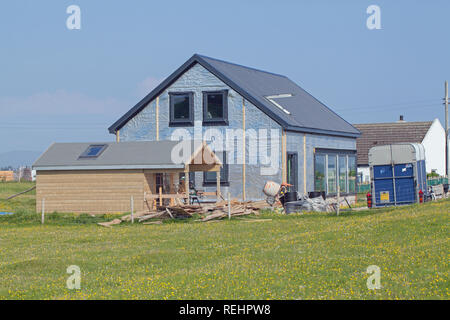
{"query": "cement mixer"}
(275, 191)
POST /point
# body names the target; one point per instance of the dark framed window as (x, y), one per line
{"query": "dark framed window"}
(332, 173)
(342, 172)
(93, 151)
(181, 108)
(159, 181)
(352, 174)
(320, 173)
(210, 177)
(333, 168)
(292, 170)
(215, 107)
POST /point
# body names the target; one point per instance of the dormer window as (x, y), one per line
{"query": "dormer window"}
(181, 109)
(215, 108)
(93, 151)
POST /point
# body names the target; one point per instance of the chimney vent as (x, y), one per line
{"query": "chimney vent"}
(401, 119)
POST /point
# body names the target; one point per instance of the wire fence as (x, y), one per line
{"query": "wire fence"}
(436, 181)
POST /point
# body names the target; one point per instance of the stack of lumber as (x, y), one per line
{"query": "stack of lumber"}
(206, 212)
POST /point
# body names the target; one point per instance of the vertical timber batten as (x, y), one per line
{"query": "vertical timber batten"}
(243, 149)
(118, 136)
(304, 163)
(283, 156)
(218, 185)
(186, 183)
(157, 118)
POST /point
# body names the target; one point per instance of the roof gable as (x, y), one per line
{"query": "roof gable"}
(305, 113)
(375, 134)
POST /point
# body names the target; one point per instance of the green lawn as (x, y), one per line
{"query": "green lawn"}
(309, 256)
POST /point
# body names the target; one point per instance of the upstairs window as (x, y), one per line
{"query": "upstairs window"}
(93, 151)
(181, 109)
(215, 107)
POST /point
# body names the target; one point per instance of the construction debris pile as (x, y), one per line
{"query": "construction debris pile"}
(317, 204)
(205, 212)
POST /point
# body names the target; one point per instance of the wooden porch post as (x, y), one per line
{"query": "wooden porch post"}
(283, 156)
(186, 183)
(218, 185)
(172, 187)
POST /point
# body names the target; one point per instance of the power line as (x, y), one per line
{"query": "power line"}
(421, 102)
(365, 110)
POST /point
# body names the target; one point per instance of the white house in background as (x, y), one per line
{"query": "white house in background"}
(430, 133)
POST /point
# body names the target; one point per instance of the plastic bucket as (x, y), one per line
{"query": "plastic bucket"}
(316, 194)
(271, 188)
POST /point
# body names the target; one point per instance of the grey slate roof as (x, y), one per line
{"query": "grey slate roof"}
(376, 134)
(117, 155)
(307, 114)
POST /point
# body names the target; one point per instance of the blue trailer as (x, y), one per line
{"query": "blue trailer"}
(398, 174)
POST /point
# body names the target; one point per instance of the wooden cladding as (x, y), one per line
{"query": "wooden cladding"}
(88, 191)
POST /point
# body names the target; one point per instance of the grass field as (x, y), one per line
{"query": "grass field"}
(309, 256)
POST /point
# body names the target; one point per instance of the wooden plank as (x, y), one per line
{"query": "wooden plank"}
(186, 183)
(304, 163)
(283, 156)
(166, 196)
(204, 167)
(218, 185)
(157, 118)
(244, 149)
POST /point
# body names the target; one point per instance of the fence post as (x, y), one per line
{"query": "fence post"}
(43, 211)
(229, 205)
(338, 207)
(132, 209)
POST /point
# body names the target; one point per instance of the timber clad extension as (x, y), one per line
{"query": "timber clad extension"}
(90, 191)
(104, 177)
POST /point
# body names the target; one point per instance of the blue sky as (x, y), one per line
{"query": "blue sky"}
(70, 85)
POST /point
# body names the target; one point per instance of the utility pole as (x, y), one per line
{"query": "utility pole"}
(447, 172)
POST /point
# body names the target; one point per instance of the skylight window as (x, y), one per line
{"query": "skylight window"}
(93, 151)
(279, 96)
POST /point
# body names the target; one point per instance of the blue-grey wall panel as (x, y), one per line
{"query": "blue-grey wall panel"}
(198, 79)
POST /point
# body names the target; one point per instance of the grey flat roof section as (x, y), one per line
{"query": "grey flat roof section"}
(307, 114)
(117, 155)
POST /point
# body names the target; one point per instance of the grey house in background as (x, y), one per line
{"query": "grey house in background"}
(298, 139)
